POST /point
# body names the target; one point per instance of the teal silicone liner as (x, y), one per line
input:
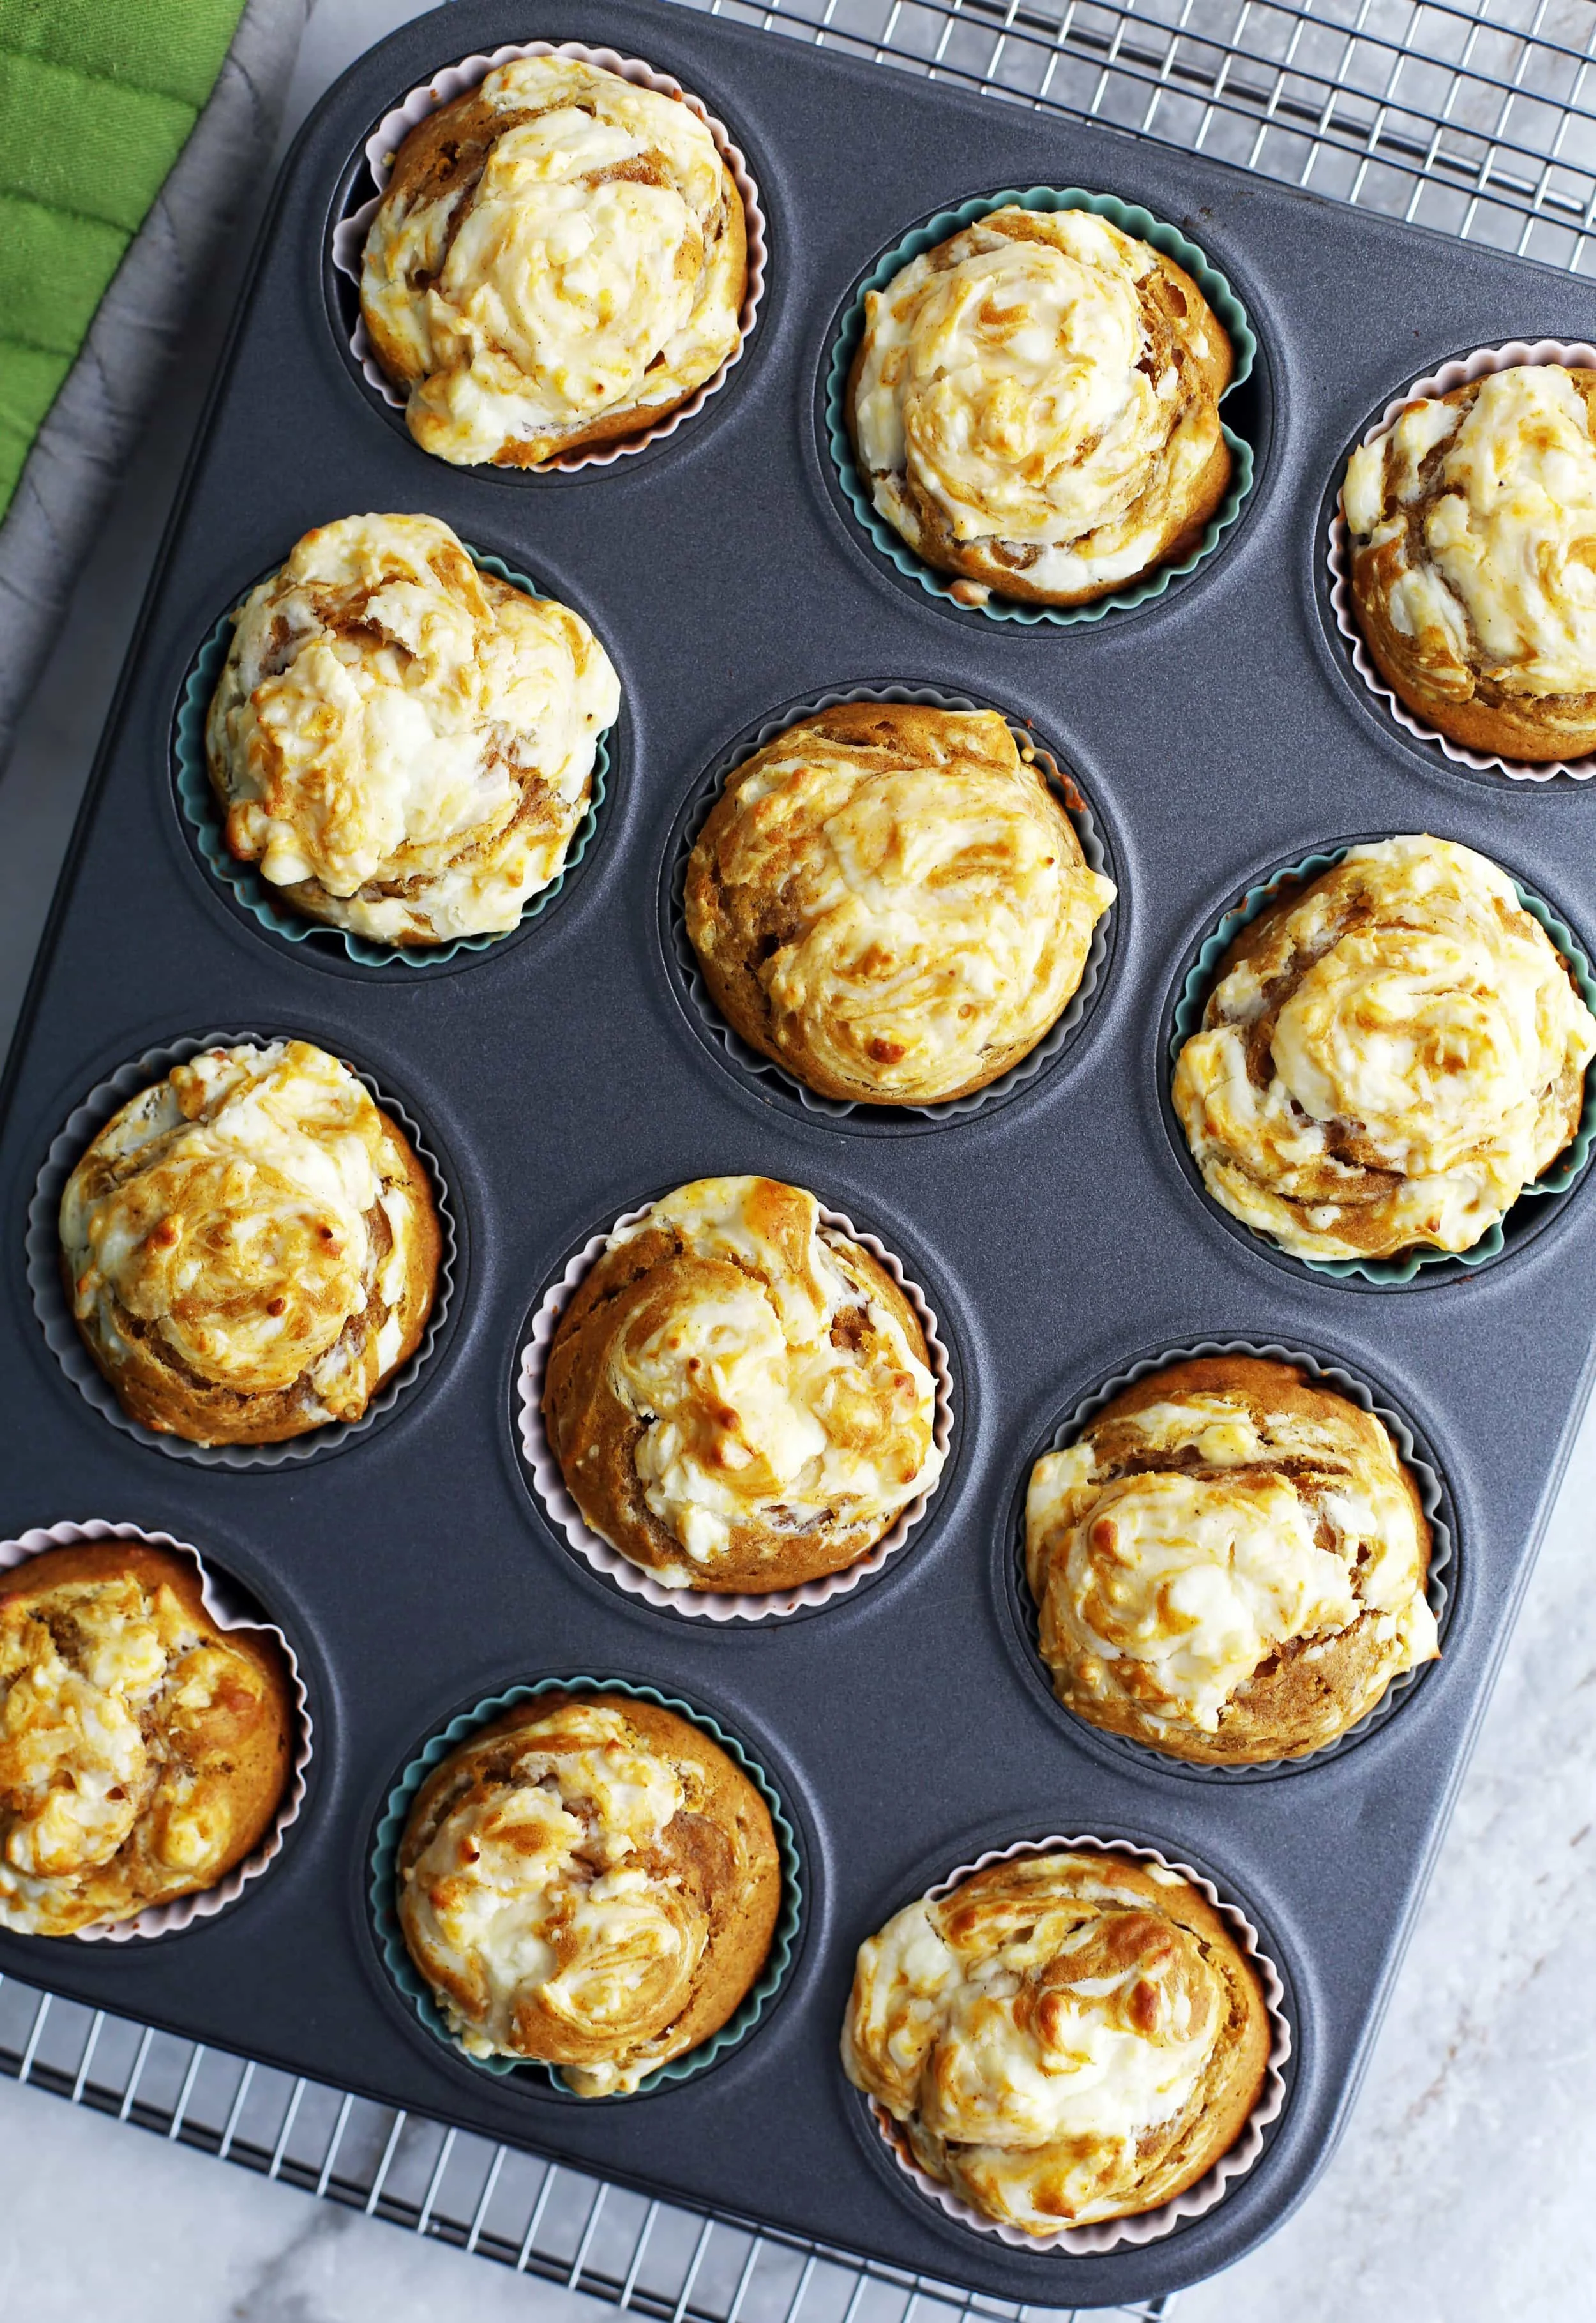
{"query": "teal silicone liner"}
(1392, 1274)
(390, 1830)
(1129, 219)
(202, 812)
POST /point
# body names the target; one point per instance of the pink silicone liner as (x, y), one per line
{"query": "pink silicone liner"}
(349, 235)
(169, 1919)
(1198, 2199)
(710, 1604)
(1577, 355)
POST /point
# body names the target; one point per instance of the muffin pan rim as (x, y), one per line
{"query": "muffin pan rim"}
(1341, 2019)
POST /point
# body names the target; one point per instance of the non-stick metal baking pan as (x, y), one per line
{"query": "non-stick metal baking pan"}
(1216, 732)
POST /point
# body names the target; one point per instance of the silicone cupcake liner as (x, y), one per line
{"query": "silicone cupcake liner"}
(708, 1605)
(349, 234)
(170, 1919)
(1439, 1583)
(390, 1833)
(1198, 2199)
(1133, 220)
(1578, 355)
(746, 1059)
(1386, 1273)
(203, 813)
(55, 1315)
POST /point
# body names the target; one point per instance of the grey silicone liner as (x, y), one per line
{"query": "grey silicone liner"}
(747, 1060)
(55, 1318)
(1440, 1583)
(183, 1910)
(1144, 2225)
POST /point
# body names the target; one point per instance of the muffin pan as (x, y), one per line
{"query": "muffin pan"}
(1214, 728)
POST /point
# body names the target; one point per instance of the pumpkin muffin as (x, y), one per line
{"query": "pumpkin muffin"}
(890, 902)
(1034, 406)
(739, 1397)
(1229, 1564)
(1064, 2038)
(559, 259)
(144, 1751)
(1473, 561)
(401, 742)
(589, 1883)
(250, 1247)
(1390, 1055)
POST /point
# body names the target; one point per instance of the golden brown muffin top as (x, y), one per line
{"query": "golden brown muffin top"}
(590, 1882)
(1065, 2037)
(404, 744)
(890, 902)
(142, 1749)
(250, 1242)
(1479, 510)
(559, 254)
(1388, 1056)
(737, 1395)
(1040, 392)
(1229, 1562)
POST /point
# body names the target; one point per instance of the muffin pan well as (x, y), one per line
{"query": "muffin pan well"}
(556, 1076)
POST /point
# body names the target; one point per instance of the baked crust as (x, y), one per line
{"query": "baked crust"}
(152, 1183)
(1129, 530)
(403, 742)
(1222, 1485)
(697, 1868)
(753, 1374)
(889, 901)
(84, 1704)
(1389, 1054)
(973, 2021)
(434, 188)
(1417, 520)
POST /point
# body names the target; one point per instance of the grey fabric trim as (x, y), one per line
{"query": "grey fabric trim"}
(80, 451)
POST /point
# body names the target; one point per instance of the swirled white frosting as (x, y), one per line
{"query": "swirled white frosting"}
(590, 270)
(1498, 572)
(415, 737)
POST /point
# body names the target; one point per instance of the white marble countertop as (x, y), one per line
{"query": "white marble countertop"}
(1462, 2192)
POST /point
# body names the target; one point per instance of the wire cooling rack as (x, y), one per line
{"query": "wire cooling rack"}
(1474, 116)
(538, 2218)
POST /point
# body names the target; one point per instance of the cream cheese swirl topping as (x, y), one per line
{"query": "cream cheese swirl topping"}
(1031, 2029)
(592, 267)
(759, 1408)
(1431, 1035)
(1171, 1588)
(1008, 376)
(405, 743)
(1498, 572)
(936, 911)
(91, 1734)
(539, 1901)
(228, 1214)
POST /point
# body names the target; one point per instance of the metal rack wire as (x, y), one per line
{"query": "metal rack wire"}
(1474, 116)
(538, 2217)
